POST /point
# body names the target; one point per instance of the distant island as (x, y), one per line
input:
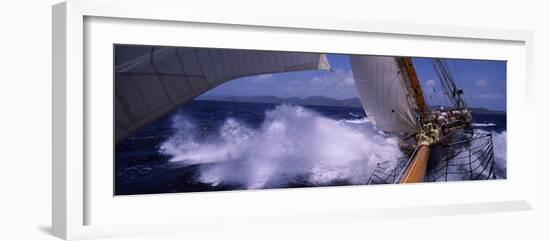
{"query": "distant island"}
(479, 110)
(312, 101)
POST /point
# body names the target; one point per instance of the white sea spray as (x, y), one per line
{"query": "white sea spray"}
(293, 143)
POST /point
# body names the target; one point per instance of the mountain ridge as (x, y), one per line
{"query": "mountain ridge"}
(270, 99)
(314, 101)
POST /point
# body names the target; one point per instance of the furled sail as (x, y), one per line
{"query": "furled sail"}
(383, 92)
(152, 81)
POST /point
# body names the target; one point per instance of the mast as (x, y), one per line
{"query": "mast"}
(416, 170)
(418, 164)
(406, 64)
(393, 99)
(386, 93)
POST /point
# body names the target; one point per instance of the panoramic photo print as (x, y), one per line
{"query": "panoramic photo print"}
(206, 119)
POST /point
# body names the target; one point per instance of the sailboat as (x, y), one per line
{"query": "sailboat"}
(440, 142)
(154, 81)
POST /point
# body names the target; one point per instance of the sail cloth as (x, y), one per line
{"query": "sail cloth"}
(383, 93)
(152, 81)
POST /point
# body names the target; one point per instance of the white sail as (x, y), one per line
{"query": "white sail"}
(383, 93)
(152, 81)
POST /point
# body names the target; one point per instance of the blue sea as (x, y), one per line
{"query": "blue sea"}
(216, 145)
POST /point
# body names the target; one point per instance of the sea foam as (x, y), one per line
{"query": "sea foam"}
(483, 124)
(293, 144)
(499, 149)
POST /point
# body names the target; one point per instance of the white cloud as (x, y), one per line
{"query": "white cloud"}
(317, 81)
(430, 83)
(344, 76)
(338, 84)
(330, 82)
(481, 83)
(338, 78)
(295, 82)
(488, 96)
(262, 77)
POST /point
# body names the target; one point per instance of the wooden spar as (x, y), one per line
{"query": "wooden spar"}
(416, 170)
(415, 84)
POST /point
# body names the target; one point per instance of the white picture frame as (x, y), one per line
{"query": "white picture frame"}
(74, 198)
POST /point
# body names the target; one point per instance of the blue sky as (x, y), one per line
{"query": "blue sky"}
(483, 81)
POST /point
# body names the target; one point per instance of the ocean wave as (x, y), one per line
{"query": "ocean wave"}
(499, 150)
(357, 121)
(292, 144)
(483, 124)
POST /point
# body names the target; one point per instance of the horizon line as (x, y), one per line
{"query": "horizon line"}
(198, 98)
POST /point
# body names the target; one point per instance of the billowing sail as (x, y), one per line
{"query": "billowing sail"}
(152, 81)
(383, 92)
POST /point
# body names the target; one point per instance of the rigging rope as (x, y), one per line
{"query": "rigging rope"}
(471, 158)
(457, 74)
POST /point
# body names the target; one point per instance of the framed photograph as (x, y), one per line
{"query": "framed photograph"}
(169, 122)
